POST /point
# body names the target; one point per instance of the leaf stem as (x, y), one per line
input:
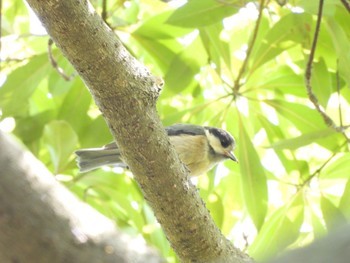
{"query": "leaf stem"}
(308, 74)
(237, 83)
(346, 5)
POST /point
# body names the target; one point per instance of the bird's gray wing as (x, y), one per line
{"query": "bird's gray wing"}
(176, 129)
(189, 129)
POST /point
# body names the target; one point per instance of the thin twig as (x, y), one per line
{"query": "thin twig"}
(237, 83)
(0, 30)
(318, 171)
(339, 100)
(55, 65)
(308, 73)
(104, 11)
(346, 5)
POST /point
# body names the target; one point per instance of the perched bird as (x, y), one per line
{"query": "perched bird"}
(199, 148)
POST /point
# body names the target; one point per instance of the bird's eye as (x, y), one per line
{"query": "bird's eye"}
(225, 143)
(225, 139)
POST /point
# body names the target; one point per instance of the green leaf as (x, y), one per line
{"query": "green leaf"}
(321, 82)
(157, 28)
(341, 44)
(274, 133)
(152, 232)
(30, 128)
(20, 85)
(253, 178)
(280, 230)
(88, 138)
(281, 78)
(75, 106)
(125, 14)
(161, 53)
(201, 13)
(61, 141)
(123, 204)
(313, 6)
(228, 185)
(303, 118)
(338, 169)
(57, 84)
(216, 208)
(344, 204)
(216, 48)
(290, 30)
(302, 140)
(332, 215)
(185, 66)
(319, 229)
(342, 17)
(180, 73)
(15, 14)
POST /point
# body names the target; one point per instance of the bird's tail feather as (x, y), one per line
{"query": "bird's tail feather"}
(93, 158)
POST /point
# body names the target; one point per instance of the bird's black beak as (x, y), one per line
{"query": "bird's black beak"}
(231, 156)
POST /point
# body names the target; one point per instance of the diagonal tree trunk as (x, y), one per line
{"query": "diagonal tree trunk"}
(41, 221)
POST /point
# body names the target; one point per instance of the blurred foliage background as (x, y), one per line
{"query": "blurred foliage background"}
(234, 64)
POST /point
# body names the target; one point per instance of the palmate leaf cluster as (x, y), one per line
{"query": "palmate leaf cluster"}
(239, 65)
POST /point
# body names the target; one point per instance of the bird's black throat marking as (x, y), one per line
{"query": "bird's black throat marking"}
(225, 138)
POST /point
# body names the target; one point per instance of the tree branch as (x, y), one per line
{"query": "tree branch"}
(41, 221)
(126, 94)
(54, 63)
(346, 5)
(237, 83)
(308, 74)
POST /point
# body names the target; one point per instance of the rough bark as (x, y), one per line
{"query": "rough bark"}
(126, 94)
(41, 221)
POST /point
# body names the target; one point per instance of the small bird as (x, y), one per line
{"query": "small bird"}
(199, 148)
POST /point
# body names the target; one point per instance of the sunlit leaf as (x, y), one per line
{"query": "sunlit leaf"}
(344, 204)
(321, 82)
(281, 78)
(88, 136)
(280, 230)
(153, 232)
(157, 28)
(274, 133)
(20, 85)
(60, 140)
(332, 215)
(313, 6)
(338, 169)
(341, 44)
(319, 229)
(56, 83)
(75, 106)
(30, 128)
(185, 66)
(231, 202)
(216, 48)
(302, 140)
(253, 179)
(201, 13)
(216, 208)
(303, 117)
(292, 29)
(161, 54)
(180, 73)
